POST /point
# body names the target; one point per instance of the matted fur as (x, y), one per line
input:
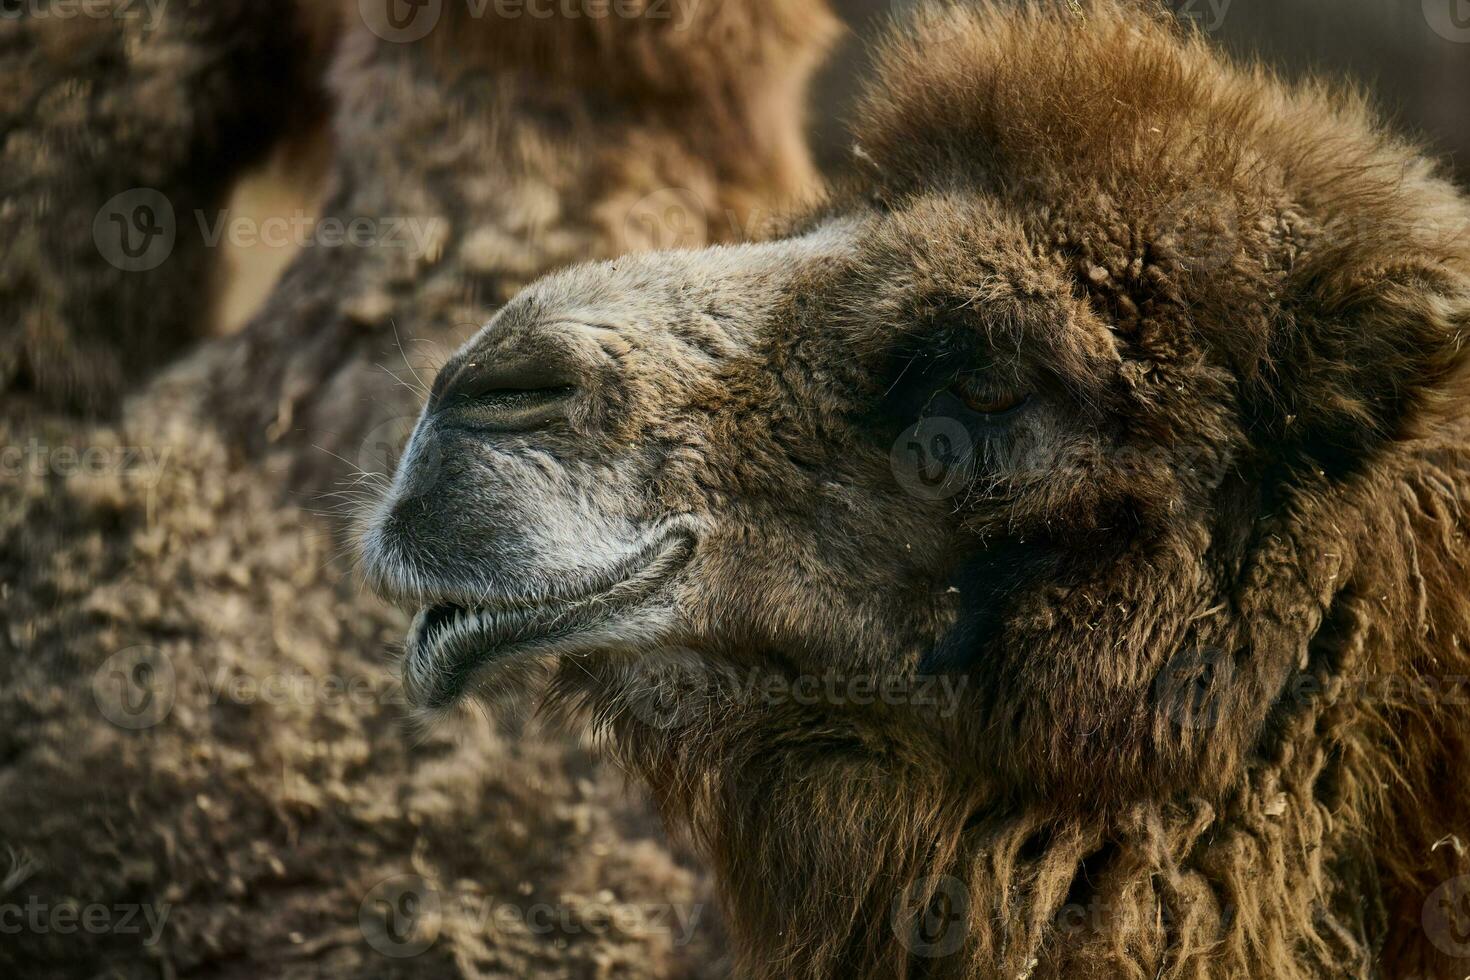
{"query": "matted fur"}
(1296, 839)
(1249, 301)
(264, 820)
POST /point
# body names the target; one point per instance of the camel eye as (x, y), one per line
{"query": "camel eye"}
(990, 401)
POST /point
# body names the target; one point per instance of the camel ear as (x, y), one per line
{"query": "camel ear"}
(1364, 358)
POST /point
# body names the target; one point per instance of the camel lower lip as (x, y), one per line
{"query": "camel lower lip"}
(450, 643)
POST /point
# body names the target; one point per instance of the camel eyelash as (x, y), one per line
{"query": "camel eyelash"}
(989, 402)
(993, 406)
(985, 400)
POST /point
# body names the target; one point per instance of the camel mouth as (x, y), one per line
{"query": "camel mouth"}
(451, 644)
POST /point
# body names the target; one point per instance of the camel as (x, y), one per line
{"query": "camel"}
(1045, 560)
(202, 740)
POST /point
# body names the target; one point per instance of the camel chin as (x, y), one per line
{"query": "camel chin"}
(457, 642)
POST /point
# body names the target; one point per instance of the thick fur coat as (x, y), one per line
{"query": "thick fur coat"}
(1198, 575)
(1222, 725)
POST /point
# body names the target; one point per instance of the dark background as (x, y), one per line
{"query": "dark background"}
(1419, 77)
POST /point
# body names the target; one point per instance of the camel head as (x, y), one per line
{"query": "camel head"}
(1068, 400)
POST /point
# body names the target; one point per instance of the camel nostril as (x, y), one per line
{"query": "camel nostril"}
(515, 396)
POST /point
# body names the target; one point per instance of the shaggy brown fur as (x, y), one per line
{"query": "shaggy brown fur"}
(108, 100)
(264, 819)
(1201, 585)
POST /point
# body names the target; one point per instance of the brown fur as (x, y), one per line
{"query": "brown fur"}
(1239, 309)
(262, 823)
